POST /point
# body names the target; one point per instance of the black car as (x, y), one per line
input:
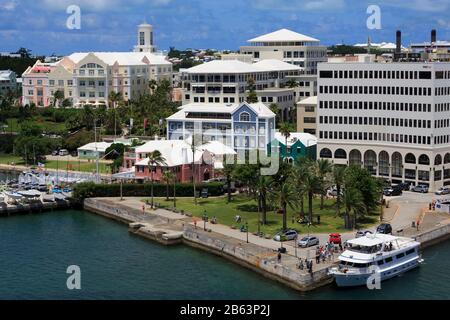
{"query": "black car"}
(393, 191)
(384, 228)
(404, 186)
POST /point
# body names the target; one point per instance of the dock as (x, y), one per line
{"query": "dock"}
(35, 207)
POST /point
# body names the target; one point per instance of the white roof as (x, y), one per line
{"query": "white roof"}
(217, 148)
(283, 35)
(306, 139)
(99, 146)
(5, 75)
(259, 108)
(123, 58)
(308, 101)
(373, 240)
(175, 152)
(236, 66)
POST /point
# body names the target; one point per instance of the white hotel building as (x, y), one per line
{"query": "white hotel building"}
(391, 118)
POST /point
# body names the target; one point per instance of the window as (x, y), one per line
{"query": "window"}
(244, 117)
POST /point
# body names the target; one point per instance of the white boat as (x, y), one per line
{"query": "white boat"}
(373, 258)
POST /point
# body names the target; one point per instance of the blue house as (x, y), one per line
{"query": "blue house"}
(241, 126)
(299, 145)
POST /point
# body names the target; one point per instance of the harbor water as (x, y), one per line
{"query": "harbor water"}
(36, 251)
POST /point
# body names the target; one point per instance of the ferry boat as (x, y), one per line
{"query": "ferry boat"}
(381, 255)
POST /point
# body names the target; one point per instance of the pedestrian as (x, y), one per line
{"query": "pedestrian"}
(317, 257)
(279, 257)
(340, 247)
(195, 223)
(143, 209)
(417, 224)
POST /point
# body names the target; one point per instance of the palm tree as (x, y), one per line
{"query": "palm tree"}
(252, 96)
(286, 132)
(153, 85)
(262, 188)
(195, 143)
(301, 170)
(291, 83)
(227, 171)
(312, 185)
(324, 168)
(155, 159)
(167, 177)
(339, 180)
(284, 194)
(353, 201)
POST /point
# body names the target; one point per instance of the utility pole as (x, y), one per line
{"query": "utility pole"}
(96, 151)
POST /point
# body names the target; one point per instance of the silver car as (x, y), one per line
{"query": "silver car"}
(443, 191)
(308, 242)
(286, 236)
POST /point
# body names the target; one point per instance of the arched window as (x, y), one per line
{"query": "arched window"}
(383, 164)
(355, 158)
(340, 154)
(438, 160)
(410, 158)
(370, 161)
(397, 165)
(244, 117)
(424, 159)
(447, 158)
(326, 153)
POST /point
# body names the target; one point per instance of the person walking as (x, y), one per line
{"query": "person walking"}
(279, 257)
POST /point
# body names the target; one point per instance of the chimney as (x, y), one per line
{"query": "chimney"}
(433, 36)
(398, 49)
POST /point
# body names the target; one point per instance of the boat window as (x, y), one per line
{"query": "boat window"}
(401, 255)
(387, 260)
(410, 251)
(381, 262)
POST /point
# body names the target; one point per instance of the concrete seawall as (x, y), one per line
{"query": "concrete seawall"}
(257, 258)
(434, 236)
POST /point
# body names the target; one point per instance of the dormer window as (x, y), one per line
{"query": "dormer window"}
(244, 117)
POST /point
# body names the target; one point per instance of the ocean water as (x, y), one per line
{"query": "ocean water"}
(36, 250)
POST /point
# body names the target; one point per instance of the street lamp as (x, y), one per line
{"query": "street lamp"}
(246, 229)
(296, 245)
(205, 217)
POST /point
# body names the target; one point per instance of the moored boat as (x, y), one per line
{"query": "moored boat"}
(374, 258)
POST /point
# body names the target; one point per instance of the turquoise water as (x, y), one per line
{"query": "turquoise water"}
(35, 251)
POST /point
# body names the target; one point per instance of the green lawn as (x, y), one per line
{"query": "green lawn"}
(61, 165)
(47, 125)
(241, 205)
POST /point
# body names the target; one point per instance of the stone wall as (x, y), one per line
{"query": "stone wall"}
(434, 236)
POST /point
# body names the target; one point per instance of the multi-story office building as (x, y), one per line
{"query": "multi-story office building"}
(307, 115)
(288, 46)
(8, 82)
(240, 126)
(227, 81)
(88, 78)
(391, 118)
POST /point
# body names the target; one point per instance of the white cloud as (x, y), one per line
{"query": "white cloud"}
(308, 5)
(8, 5)
(101, 5)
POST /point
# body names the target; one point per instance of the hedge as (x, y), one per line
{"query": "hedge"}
(91, 190)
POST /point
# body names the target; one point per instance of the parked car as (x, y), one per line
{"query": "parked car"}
(286, 236)
(404, 186)
(384, 228)
(420, 188)
(308, 242)
(360, 233)
(63, 152)
(55, 153)
(442, 191)
(392, 191)
(335, 238)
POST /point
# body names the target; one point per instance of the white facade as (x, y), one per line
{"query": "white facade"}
(145, 40)
(8, 82)
(227, 81)
(288, 46)
(391, 118)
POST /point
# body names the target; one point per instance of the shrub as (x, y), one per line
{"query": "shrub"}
(91, 190)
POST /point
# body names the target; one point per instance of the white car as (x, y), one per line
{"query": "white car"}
(286, 236)
(308, 242)
(443, 191)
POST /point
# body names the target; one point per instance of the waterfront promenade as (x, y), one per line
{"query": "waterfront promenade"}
(259, 254)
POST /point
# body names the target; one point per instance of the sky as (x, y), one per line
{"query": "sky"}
(110, 25)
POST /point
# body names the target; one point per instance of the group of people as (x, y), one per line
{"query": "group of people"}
(325, 253)
(306, 264)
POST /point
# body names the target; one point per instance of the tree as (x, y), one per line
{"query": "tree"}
(324, 168)
(114, 97)
(339, 180)
(227, 171)
(24, 52)
(353, 201)
(291, 83)
(115, 152)
(284, 194)
(286, 132)
(58, 95)
(361, 179)
(252, 97)
(300, 173)
(194, 143)
(263, 186)
(167, 177)
(312, 185)
(152, 85)
(155, 159)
